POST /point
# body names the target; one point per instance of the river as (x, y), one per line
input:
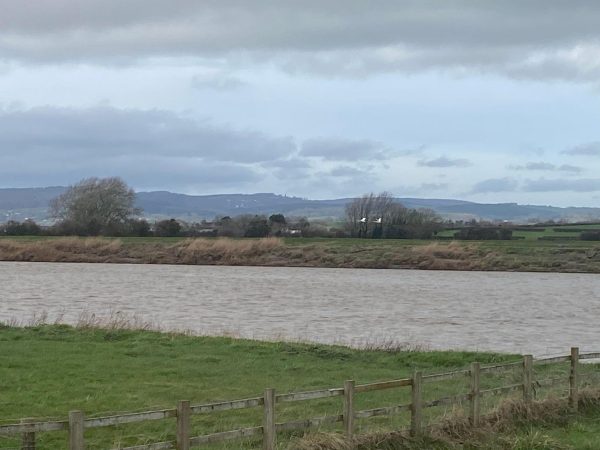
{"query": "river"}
(538, 313)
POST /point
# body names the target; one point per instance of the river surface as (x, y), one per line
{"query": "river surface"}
(539, 313)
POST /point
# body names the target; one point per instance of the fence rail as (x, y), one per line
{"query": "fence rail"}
(77, 423)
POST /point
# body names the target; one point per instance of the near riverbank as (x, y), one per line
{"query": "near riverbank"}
(48, 370)
(518, 255)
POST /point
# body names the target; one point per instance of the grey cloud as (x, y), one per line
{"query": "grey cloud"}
(545, 166)
(494, 185)
(67, 132)
(434, 186)
(411, 151)
(44, 146)
(347, 171)
(570, 168)
(159, 149)
(587, 149)
(535, 166)
(219, 82)
(418, 190)
(182, 174)
(344, 149)
(444, 161)
(288, 169)
(547, 185)
(186, 174)
(534, 39)
(289, 163)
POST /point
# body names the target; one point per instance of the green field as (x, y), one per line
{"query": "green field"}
(568, 232)
(46, 371)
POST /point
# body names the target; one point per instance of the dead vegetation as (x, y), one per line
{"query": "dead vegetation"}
(452, 256)
(112, 321)
(277, 252)
(497, 430)
(67, 249)
(228, 251)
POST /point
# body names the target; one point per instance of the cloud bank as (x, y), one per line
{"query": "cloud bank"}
(537, 39)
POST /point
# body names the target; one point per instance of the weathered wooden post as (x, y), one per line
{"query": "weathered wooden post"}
(574, 379)
(416, 404)
(184, 414)
(28, 437)
(76, 441)
(527, 379)
(269, 434)
(475, 398)
(349, 407)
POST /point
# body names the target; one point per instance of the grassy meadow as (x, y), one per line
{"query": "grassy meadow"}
(47, 370)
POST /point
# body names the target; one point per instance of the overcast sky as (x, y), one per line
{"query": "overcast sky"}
(486, 101)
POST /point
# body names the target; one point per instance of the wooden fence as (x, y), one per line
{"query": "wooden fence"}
(76, 424)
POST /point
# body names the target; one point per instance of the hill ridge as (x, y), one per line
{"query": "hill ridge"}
(20, 203)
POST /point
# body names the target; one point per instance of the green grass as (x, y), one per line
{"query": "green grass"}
(48, 370)
(582, 432)
(548, 232)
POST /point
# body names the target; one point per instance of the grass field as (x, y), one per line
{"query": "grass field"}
(45, 371)
(558, 232)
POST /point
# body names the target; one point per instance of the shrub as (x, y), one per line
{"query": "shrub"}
(483, 234)
(590, 236)
(167, 228)
(25, 228)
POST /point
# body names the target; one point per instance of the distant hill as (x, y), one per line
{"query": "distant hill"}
(19, 204)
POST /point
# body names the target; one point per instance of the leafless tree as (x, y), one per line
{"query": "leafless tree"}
(363, 218)
(95, 206)
(361, 212)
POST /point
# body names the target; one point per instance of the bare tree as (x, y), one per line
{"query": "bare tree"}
(95, 206)
(381, 216)
(362, 211)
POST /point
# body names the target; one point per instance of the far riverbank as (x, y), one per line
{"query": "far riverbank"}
(525, 256)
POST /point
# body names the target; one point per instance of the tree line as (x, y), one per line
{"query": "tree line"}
(106, 207)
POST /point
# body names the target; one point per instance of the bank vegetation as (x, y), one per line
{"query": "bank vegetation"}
(546, 256)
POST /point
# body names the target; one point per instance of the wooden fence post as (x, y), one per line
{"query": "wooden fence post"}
(184, 413)
(527, 379)
(574, 379)
(28, 437)
(76, 440)
(269, 435)
(475, 397)
(349, 407)
(416, 404)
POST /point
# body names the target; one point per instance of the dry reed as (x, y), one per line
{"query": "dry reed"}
(115, 321)
(60, 250)
(456, 431)
(227, 251)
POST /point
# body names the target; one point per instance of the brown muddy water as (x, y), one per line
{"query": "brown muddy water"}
(539, 313)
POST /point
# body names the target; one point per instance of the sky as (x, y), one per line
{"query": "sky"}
(485, 101)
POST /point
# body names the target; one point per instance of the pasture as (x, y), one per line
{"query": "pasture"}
(48, 370)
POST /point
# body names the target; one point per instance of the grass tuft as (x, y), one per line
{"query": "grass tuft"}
(513, 426)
